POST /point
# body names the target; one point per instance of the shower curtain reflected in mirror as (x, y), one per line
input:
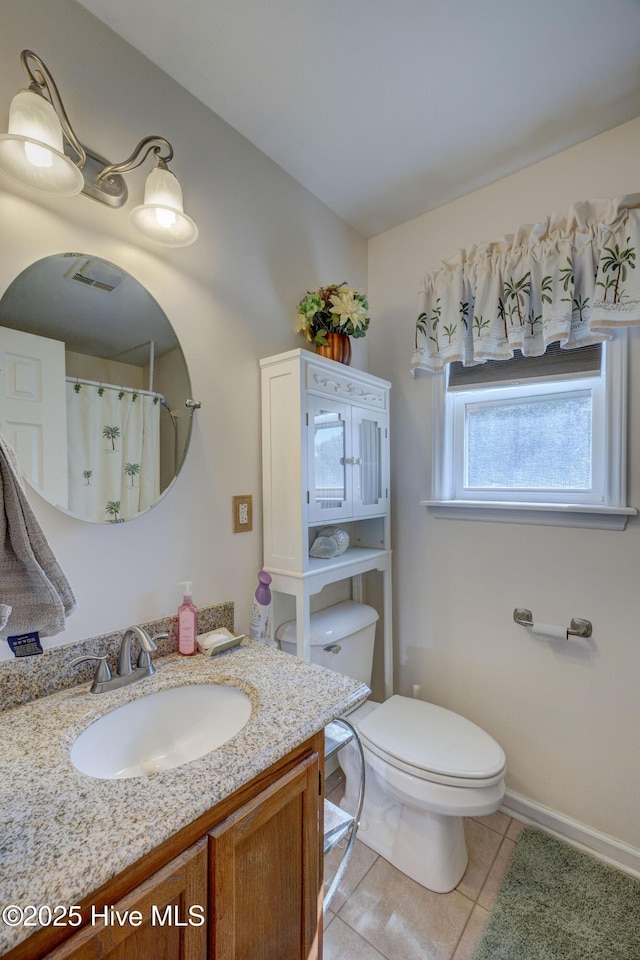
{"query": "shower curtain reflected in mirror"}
(114, 451)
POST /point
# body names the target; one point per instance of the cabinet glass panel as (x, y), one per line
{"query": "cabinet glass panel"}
(371, 480)
(330, 487)
(370, 443)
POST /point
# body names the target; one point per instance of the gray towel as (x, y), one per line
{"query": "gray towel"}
(34, 592)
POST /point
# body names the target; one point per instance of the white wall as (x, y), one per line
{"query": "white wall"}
(567, 719)
(231, 298)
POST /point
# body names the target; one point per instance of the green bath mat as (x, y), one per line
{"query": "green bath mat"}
(556, 903)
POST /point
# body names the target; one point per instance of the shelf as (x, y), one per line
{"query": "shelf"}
(351, 557)
(335, 736)
(337, 825)
(353, 561)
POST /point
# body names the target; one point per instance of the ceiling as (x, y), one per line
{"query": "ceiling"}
(385, 109)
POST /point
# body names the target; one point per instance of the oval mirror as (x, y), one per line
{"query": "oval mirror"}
(93, 385)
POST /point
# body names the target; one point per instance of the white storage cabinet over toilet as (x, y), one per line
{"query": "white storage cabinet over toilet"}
(325, 461)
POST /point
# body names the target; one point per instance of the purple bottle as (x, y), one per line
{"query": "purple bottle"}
(258, 627)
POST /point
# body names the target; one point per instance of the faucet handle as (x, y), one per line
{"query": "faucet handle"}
(103, 671)
(158, 636)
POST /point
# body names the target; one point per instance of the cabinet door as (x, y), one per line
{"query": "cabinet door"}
(172, 905)
(264, 873)
(370, 446)
(330, 467)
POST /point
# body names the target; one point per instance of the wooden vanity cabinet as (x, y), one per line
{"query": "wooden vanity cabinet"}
(167, 895)
(264, 868)
(253, 862)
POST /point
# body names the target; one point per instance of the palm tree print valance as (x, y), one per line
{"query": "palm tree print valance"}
(570, 280)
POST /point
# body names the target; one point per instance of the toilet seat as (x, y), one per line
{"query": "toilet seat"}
(432, 743)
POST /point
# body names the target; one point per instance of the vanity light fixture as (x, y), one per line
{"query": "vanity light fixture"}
(42, 151)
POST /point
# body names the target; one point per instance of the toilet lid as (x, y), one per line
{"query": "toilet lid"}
(431, 740)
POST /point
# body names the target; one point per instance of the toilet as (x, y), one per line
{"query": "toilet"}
(426, 768)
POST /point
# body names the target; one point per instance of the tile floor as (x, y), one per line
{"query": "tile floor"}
(380, 914)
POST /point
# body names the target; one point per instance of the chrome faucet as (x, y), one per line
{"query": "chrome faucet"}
(147, 645)
(127, 673)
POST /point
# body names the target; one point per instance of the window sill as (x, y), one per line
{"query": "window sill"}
(544, 514)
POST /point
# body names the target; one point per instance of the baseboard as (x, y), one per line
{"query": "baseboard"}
(605, 848)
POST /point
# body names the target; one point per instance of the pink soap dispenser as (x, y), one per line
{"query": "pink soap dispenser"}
(187, 623)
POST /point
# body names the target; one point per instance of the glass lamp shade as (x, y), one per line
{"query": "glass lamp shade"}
(32, 151)
(161, 216)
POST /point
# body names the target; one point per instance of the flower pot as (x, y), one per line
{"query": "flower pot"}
(339, 348)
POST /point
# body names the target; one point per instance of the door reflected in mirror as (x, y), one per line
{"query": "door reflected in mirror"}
(93, 385)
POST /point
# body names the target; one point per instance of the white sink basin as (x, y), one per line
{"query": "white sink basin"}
(161, 731)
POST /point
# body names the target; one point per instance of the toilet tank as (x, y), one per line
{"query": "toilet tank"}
(342, 638)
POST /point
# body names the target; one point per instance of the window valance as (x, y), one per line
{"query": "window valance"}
(569, 280)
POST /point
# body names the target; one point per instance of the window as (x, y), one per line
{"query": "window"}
(534, 440)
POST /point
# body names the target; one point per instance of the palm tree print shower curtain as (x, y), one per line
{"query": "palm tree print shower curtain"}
(114, 452)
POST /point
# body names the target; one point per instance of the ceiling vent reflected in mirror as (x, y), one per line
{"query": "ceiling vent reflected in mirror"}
(96, 273)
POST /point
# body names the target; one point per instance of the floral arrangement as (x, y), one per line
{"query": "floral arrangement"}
(333, 309)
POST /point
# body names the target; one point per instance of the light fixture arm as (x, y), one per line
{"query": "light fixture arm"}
(42, 83)
(153, 144)
(41, 150)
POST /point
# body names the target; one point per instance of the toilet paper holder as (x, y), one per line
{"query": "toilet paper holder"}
(577, 628)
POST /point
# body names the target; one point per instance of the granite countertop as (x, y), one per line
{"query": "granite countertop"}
(64, 834)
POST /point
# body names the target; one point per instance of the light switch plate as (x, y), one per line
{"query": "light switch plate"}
(242, 513)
